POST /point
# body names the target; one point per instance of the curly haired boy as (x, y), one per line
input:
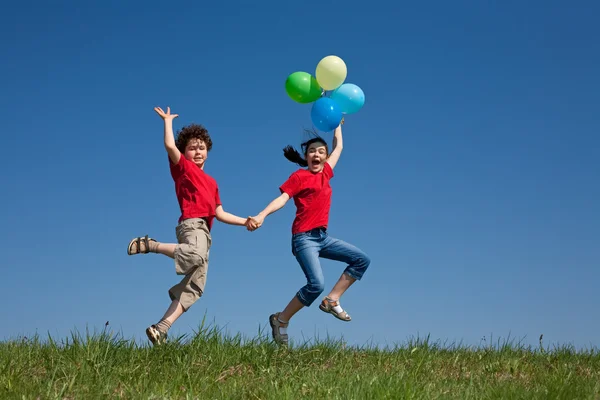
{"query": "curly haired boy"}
(199, 202)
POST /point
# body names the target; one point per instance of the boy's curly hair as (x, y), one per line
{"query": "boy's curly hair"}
(193, 131)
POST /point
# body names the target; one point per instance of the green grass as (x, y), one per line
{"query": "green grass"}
(211, 365)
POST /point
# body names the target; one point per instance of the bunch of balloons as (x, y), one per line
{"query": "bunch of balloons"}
(328, 109)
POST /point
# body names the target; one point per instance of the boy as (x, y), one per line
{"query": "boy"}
(199, 202)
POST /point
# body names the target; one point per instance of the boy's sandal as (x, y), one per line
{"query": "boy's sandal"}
(327, 306)
(156, 336)
(131, 250)
(275, 323)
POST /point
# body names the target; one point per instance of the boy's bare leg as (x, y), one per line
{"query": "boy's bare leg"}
(158, 333)
(174, 311)
(168, 249)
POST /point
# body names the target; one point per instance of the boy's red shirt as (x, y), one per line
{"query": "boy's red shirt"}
(197, 192)
(312, 196)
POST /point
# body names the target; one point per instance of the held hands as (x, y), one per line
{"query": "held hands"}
(166, 116)
(253, 223)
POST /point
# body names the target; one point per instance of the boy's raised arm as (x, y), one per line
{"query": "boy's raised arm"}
(172, 150)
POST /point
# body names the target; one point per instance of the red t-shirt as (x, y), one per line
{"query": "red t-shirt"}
(312, 196)
(197, 192)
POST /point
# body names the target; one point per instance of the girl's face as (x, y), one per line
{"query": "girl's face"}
(196, 152)
(316, 155)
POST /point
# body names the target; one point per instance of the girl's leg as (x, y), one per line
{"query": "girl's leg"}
(357, 260)
(341, 286)
(307, 255)
(280, 321)
(292, 308)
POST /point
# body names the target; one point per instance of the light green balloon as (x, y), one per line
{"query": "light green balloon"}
(302, 87)
(331, 72)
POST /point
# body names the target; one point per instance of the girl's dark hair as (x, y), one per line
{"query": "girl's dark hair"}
(294, 156)
(193, 131)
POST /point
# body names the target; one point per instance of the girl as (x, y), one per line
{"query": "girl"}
(312, 196)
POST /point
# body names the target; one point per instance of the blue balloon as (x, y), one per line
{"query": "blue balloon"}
(350, 98)
(326, 114)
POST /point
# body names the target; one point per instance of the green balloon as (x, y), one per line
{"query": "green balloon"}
(302, 87)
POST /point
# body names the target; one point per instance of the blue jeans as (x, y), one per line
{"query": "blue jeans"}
(309, 246)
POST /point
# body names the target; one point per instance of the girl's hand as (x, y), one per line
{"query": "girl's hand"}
(166, 116)
(254, 223)
(251, 225)
(258, 220)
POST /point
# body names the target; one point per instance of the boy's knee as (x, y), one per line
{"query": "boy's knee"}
(187, 259)
(197, 259)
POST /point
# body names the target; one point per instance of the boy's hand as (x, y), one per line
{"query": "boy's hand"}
(166, 116)
(250, 225)
(253, 223)
(257, 221)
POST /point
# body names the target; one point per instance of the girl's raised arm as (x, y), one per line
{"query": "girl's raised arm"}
(338, 145)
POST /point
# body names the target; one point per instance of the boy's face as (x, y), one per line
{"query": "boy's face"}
(316, 155)
(196, 152)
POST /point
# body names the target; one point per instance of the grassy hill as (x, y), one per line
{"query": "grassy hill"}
(211, 365)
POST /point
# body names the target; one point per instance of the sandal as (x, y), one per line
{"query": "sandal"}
(156, 336)
(327, 306)
(275, 323)
(138, 248)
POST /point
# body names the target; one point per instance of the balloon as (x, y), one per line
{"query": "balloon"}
(349, 97)
(331, 72)
(302, 87)
(326, 114)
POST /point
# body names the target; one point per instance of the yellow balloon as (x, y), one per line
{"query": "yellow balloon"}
(331, 72)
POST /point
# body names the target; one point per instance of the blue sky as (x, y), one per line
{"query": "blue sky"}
(470, 176)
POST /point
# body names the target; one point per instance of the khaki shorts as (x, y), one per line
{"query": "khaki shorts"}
(191, 260)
